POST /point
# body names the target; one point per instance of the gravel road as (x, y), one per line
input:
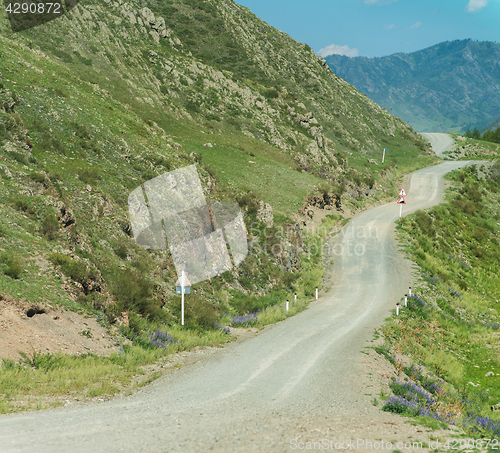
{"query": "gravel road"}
(302, 379)
(439, 142)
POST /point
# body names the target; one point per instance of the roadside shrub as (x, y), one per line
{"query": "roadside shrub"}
(120, 248)
(50, 226)
(370, 181)
(199, 313)
(289, 278)
(134, 292)
(243, 304)
(246, 282)
(338, 189)
(94, 300)
(14, 265)
(425, 223)
(74, 269)
(472, 192)
(23, 206)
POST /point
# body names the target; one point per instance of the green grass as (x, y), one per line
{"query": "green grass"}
(278, 313)
(471, 149)
(46, 380)
(455, 334)
(267, 177)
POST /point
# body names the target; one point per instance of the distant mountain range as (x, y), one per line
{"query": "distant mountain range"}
(449, 87)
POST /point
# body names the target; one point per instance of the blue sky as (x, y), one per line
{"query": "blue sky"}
(375, 28)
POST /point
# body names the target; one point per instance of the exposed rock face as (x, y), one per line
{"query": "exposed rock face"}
(308, 112)
(265, 213)
(326, 201)
(291, 247)
(66, 217)
(148, 15)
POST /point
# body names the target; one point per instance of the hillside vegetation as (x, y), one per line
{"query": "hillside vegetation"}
(445, 344)
(115, 93)
(449, 87)
(492, 136)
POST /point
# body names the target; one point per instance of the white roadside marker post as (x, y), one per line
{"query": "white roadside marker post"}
(182, 286)
(383, 155)
(397, 309)
(406, 300)
(316, 293)
(182, 298)
(295, 300)
(287, 306)
(409, 292)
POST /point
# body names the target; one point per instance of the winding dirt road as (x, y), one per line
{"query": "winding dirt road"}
(440, 142)
(301, 380)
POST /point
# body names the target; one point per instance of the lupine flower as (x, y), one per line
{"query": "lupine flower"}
(244, 320)
(225, 330)
(417, 299)
(476, 423)
(162, 339)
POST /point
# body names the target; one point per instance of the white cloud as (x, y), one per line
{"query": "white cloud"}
(334, 49)
(389, 27)
(415, 25)
(476, 5)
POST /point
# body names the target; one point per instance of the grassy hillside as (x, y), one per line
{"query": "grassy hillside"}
(466, 148)
(445, 344)
(107, 97)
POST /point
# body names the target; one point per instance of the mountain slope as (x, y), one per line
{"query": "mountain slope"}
(447, 87)
(112, 94)
(174, 58)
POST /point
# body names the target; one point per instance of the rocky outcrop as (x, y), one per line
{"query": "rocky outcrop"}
(328, 201)
(265, 213)
(66, 217)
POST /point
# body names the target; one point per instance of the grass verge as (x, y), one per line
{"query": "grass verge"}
(444, 345)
